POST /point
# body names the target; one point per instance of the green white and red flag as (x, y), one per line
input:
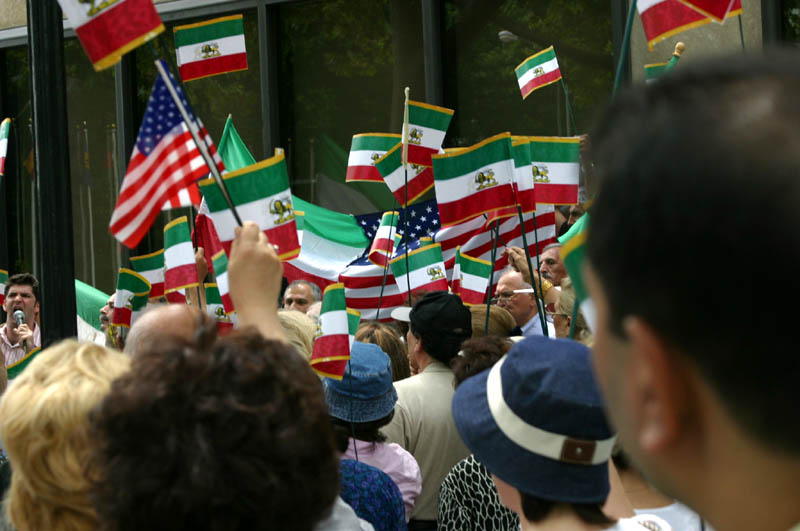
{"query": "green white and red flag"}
(470, 278)
(425, 269)
(3, 281)
(216, 309)
(523, 174)
(475, 180)
(427, 126)
(662, 19)
(133, 292)
(390, 168)
(151, 267)
(108, 30)
(365, 150)
(220, 263)
(5, 130)
(211, 47)
(537, 71)
(261, 194)
(716, 10)
(383, 244)
(335, 333)
(180, 268)
(556, 168)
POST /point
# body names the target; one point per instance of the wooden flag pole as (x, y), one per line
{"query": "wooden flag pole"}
(405, 201)
(530, 267)
(625, 48)
(201, 144)
(495, 233)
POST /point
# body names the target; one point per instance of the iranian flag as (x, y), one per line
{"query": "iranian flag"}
(470, 278)
(717, 10)
(180, 268)
(3, 281)
(211, 47)
(390, 167)
(425, 269)
(427, 126)
(261, 194)
(220, 263)
(216, 309)
(5, 129)
(662, 19)
(537, 71)
(383, 244)
(523, 174)
(335, 333)
(573, 250)
(556, 168)
(474, 181)
(108, 30)
(365, 150)
(151, 267)
(17, 367)
(133, 291)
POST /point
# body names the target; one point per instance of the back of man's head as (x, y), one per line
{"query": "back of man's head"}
(442, 322)
(698, 193)
(215, 434)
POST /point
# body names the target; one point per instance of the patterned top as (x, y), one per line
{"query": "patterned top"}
(373, 495)
(468, 500)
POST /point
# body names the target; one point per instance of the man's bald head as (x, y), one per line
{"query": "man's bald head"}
(163, 322)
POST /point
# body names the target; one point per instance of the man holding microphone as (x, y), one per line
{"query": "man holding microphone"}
(20, 334)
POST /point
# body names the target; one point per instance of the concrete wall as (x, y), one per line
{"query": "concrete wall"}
(703, 41)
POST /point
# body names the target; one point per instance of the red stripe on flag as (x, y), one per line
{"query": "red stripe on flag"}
(330, 345)
(527, 200)
(214, 66)
(471, 297)
(205, 236)
(557, 194)
(417, 186)
(363, 174)
(668, 18)
(121, 316)
(493, 198)
(227, 302)
(176, 297)
(540, 81)
(180, 277)
(292, 273)
(421, 155)
(157, 290)
(117, 27)
(284, 236)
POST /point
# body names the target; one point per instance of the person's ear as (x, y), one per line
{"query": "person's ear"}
(658, 387)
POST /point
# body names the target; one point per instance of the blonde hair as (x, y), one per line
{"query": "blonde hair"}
(565, 305)
(501, 322)
(299, 329)
(44, 424)
(388, 338)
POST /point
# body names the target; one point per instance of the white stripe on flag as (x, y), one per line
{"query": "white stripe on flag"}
(464, 186)
(431, 138)
(561, 172)
(227, 46)
(397, 179)
(257, 211)
(179, 254)
(644, 5)
(362, 157)
(334, 322)
(419, 277)
(547, 66)
(153, 276)
(473, 282)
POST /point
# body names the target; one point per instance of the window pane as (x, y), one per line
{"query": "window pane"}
(790, 17)
(343, 65)
(480, 83)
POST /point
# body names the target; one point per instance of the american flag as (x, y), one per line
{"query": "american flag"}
(186, 197)
(165, 160)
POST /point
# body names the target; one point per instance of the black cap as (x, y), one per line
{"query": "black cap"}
(442, 312)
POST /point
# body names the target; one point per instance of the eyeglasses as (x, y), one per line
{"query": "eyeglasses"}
(503, 296)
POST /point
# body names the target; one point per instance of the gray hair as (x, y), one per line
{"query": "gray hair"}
(315, 291)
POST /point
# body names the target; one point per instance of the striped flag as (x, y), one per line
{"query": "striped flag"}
(427, 126)
(523, 174)
(109, 30)
(717, 10)
(390, 167)
(362, 282)
(335, 333)
(425, 270)
(470, 278)
(210, 47)
(151, 267)
(133, 291)
(475, 180)
(216, 309)
(383, 244)
(186, 197)
(365, 150)
(165, 160)
(662, 19)
(537, 71)
(556, 168)
(3, 281)
(261, 194)
(17, 367)
(220, 262)
(573, 250)
(180, 268)
(5, 130)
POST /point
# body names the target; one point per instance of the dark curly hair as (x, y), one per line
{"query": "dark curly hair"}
(477, 355)
(229, 433)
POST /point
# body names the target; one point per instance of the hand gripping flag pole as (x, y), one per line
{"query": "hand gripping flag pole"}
(201, 145)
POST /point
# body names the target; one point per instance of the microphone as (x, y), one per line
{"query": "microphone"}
(19, 317)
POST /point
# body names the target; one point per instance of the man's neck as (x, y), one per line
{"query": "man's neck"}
(424, 360)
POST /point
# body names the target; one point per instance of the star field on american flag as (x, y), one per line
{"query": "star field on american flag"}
(423, 220)
(161, 116)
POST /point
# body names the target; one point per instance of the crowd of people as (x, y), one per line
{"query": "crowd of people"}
(491, 417)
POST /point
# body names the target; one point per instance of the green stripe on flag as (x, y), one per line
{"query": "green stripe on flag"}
(474, 266)
(533, 61)
(522, 153)
(232, 149)
(573, 250)
(132, 281)
(353, 319)
(220, 263)
(212, 294)
(187, 35)
(333, 298)
(5, 128)
(332, 226)
(3, 276)
(429, 115)
(457, 164)
(88, 301)
(390, 161)
(176, 232)
(555, 149)
(258, 181)
(374, 142)
(417, 259)
(15, 369)
(148, 262)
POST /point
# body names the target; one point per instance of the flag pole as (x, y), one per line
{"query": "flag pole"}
(201, 145)
(569, 110)
(88, 175)
(405, 201)
(741, 31)
(625, 48)
(530, 267)
(495, 232)
(385, 265)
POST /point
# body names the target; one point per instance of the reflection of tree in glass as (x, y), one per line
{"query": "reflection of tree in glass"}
(791, 21)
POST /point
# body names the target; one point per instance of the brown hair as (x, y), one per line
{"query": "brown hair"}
(389, 340)
(501, 322)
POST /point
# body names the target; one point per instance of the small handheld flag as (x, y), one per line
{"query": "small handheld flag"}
(335, 334)
(555, 163)
(537, 71)
(390, 168)
(365, 150)
(424, 270)
(5, 130)
(216, 309)
(211, 47)
(220, 262)
(133, 291)
(151, 267)
(384, 242)
(470, 278)
(427, 126)
(180, 268)
(3, 281)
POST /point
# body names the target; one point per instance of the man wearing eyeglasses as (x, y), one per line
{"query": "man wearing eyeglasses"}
(522, 306)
